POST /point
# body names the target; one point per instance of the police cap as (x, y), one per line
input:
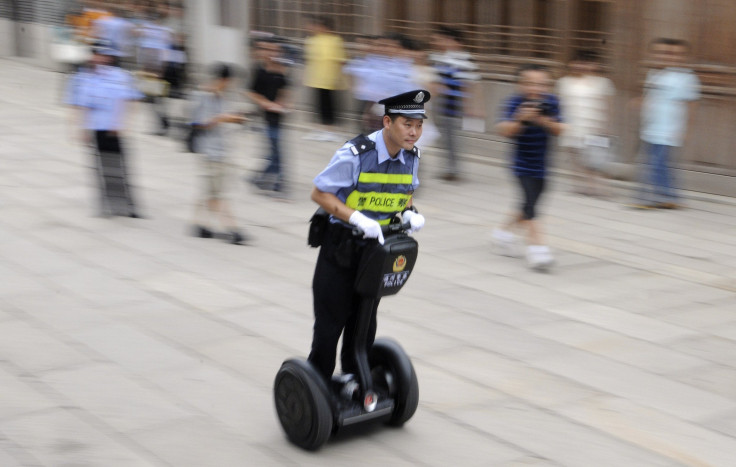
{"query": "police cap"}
(409, 104)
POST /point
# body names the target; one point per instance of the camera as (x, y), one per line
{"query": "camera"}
(545, 108)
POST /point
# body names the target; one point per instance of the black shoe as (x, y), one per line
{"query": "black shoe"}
(202, 232)
(236, 238)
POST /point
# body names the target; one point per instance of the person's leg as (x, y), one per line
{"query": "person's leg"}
(273, 167)
(659, 174)
(105, 209)
(333, 297)
(127, 192)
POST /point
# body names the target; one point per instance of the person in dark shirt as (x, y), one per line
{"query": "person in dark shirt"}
(269, 90)
(529, 118)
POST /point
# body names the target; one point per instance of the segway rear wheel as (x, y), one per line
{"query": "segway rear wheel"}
(393, 372)
(302, 405)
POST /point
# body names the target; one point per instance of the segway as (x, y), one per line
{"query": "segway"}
(385, 387)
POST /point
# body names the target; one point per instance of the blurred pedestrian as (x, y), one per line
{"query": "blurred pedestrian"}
(456, 71)
(586, 100)
(670, 94)
(269, 91)
(210, 118)
(102, 91)
(362, 70)
(369, 181)
(117, 31)
(324, 55)
(529, 118)
(155, 41)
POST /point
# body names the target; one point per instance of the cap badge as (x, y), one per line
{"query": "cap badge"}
(419, 98)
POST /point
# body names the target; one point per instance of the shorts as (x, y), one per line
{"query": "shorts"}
(214, 172)
(532, 188)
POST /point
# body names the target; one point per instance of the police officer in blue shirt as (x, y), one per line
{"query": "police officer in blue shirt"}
(102, 92)
(368, 181)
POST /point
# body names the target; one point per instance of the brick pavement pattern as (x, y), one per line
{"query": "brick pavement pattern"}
(127, 342)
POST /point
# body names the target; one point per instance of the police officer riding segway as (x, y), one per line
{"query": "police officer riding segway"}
(362, 226)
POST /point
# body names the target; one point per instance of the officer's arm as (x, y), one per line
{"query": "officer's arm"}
(332, 204)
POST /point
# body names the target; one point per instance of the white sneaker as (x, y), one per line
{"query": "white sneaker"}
(539, 257)
(504, 243)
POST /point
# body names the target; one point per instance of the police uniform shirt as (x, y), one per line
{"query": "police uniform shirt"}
(340, 177)
(104, 92)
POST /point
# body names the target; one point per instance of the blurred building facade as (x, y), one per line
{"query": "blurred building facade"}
(501, 34)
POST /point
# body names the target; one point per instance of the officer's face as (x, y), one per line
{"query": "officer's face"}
(401, 133)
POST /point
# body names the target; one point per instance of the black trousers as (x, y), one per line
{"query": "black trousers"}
(112, 175)
(336, 304)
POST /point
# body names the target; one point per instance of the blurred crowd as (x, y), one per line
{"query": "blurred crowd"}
(146, 42)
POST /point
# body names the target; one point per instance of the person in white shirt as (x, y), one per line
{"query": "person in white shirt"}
(586, 100)
(670, 95)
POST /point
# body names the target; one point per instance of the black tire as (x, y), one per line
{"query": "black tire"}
(302, 405)
(393, 372)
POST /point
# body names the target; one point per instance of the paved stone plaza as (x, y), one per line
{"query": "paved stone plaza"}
(127, 342)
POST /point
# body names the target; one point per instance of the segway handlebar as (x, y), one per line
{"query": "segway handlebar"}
(396, 226)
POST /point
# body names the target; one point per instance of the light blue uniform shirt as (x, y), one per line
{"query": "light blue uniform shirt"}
(103, 92)
(664, 109)
(340, 177)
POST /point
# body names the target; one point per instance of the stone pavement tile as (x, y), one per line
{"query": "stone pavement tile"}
(13, 456)
(443, 390)
(197, 292)
(133, 349)
(16, 282)
(64, 437)
(19, 397)
(516, 289)
(198, 441)
(488, 335)
(724, 423)
(221, 395)
(511, 377)
(292, 329)
(33, 349)
(118, 262)
(680, 441)
(60, 311)
(708, 317)
(121, 402)
(458, 444)
(712, 377)
(559, 439)
(708, 347)
(257, 359)
(271, 291)
(727, 331)
(177, 323)
(641, 354)
(621, 321)
(38, 259)
(415, 338)
(638, 386)
(90, 284)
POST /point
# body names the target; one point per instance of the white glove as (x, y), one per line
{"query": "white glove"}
(415, 220)
(370, 228)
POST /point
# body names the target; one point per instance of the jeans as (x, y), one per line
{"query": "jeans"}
(273, 167)
(658, 180)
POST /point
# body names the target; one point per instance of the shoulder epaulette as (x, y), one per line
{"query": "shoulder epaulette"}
(417, 152)
(361, 144)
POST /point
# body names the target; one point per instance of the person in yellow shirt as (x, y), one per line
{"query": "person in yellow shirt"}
(324, 56)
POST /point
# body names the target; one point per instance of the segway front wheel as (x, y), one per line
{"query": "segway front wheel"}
(393, 372)
(302, 405)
